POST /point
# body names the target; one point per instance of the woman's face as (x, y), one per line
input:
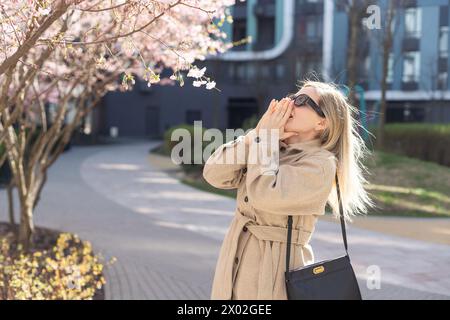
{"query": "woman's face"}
(304, 119)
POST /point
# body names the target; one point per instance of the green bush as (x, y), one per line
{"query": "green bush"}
(429, 142)
(251, 122)
(169, 144)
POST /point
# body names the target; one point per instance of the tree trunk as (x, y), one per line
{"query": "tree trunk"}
(387, 47)
(26, 225)
(352, 66)
(9, 190)
(382, 118)
(383, 102)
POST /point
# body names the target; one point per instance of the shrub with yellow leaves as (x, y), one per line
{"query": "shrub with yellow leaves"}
(70, 270)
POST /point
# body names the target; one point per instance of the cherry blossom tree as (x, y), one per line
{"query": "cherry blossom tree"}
(68, 54)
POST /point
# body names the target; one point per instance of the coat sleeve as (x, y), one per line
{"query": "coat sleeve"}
(289, 189)
(225, 167)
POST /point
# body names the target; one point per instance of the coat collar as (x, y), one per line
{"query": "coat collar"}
(302, 146)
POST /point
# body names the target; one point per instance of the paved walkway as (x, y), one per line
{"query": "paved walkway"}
(166, 235)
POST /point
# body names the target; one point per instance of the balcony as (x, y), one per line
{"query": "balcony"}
(410, 86)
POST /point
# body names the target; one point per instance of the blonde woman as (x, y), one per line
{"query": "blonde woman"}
(316, 137)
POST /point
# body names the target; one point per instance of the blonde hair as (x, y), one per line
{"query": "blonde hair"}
(341, 137)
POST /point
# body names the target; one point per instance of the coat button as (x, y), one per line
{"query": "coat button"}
(244, 170)
(257, 139)
(236, 260)
(245, 229)
(246, 199)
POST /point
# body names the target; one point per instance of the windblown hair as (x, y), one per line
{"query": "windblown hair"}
(343, 140)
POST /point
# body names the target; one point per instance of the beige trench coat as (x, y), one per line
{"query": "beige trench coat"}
(251, 262)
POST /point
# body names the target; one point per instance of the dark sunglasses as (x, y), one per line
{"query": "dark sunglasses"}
(303, 99)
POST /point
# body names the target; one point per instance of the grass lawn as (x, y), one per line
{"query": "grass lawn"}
(405, 186)
(400, 186)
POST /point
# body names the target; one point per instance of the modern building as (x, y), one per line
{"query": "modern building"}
(418, 86)
(291, 40)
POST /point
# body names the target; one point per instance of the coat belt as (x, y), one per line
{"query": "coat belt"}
(262, 233)
(279, 234)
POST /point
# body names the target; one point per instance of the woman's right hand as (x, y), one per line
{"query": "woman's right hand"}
(271, 121)
(269, 111)
(276, 116)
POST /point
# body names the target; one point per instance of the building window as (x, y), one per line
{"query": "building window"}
(280, 71)
(390, 73)
(241, 72)
(251, 71)
(364, 71)
(314, 67)
(193, 115)
(239, 32)
(231, 71)
(443, 41)
(265, 15)
(314, 27)
(264, 71)
(367, 63)
(443, 19)
(299, 69)
(266, 33)
(303, 2)
(413, 22)
(442, 80)
(411, 67)
(301, 29)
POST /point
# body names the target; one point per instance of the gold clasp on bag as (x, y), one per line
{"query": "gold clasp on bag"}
(318, 269)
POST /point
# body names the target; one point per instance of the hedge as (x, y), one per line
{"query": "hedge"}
(429, 142)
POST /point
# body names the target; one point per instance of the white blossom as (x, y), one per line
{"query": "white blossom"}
(211, 85)
(198, 83)
(44, 11)
(196, 73)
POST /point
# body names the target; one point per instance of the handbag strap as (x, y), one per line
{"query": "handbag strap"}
(344, 233)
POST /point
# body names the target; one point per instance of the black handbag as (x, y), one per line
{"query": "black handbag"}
(326, 280)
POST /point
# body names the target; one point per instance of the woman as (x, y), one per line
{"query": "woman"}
(317, 136)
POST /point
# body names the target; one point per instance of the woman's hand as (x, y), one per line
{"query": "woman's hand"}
(276, 116)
